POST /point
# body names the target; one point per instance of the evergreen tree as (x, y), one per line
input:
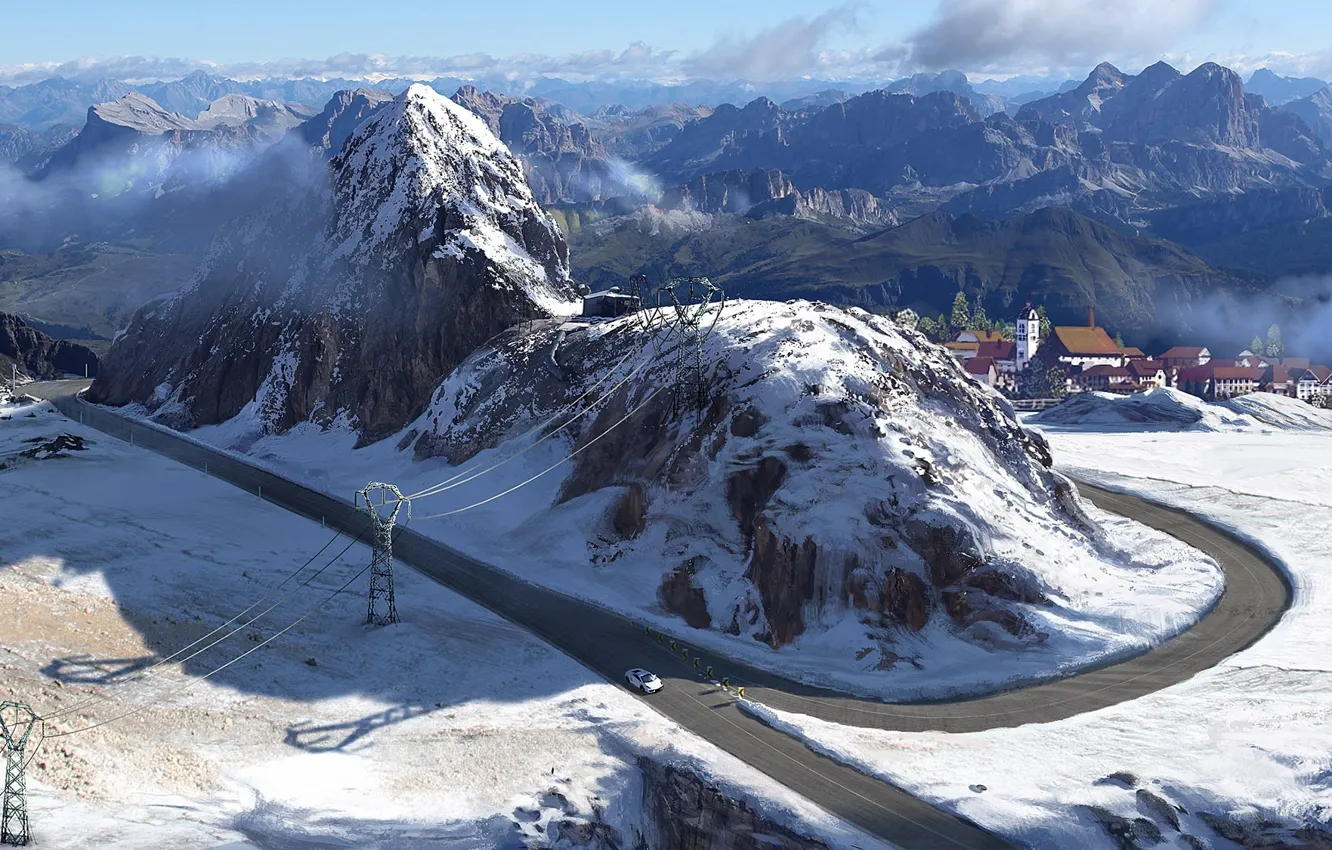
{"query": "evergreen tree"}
(1044, 377)
(1275, 347)
(928, 326)
(907, 318)
(1007, 331)
(1257, 346)
(945, 330)
(1047, 327)
(979, 320)
(1119, 340)
(961, 318)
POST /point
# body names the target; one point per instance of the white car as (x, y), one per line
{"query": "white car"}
(643, 680)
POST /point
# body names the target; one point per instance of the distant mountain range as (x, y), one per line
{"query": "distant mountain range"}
(795, 197)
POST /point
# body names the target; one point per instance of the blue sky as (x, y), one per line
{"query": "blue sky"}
(741, 38)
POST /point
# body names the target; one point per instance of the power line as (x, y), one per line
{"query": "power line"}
(450, 483)
(557, 463)
(140, 675)
(192, 682)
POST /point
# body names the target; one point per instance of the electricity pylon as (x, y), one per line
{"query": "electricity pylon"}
(688, 309)
(382, 609)
(16, 724)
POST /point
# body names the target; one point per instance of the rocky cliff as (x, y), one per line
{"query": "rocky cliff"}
(770, 193)
(37, 356)
(563, 160)
(353, 297)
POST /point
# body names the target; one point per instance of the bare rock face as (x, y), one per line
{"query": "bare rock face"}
(351, 299)
(679, 595)
(681, 810)
(37, 355)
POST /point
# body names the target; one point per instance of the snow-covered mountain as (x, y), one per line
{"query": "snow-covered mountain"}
(849, 498)
(352, 297)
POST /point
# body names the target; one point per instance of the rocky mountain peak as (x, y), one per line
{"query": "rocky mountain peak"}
(344, 112)
(420, 153)
(139, 113)
(351, 298)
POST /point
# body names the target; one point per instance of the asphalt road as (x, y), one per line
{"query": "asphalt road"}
(1254, 599)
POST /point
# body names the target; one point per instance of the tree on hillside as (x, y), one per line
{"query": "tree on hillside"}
(1047, 327)
(1044, 377)
(907, 318)
(979, 320)
(961, 318)
(1007, 331)
(1119, 340)
(928, 326)
(1257, 346)
(1275, 347)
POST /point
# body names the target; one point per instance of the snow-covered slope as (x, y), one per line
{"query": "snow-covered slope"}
(1168, 408)
(353, 297)
(850, 508)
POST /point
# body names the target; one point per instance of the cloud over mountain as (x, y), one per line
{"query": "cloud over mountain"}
(1003, 34)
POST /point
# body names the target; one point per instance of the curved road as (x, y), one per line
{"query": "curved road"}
(1255, 597)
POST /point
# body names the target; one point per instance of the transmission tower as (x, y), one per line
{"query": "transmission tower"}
(381, 609)
(16, 724)
(688, 308)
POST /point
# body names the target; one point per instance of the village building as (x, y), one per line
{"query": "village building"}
(1149, 374)
(1102, 378)
(1312, 383)
(1130, 352)
(982, 369)
(1028, 336)
(1082, 347)
(1184, 357)
(979, 336)
(1232, 381)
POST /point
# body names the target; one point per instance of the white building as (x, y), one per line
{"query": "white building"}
(1028, 335)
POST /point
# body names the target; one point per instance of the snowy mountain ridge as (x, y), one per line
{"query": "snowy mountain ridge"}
(354, 294)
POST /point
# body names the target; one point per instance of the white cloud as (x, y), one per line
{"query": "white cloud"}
(1004, 35)
(789, 49)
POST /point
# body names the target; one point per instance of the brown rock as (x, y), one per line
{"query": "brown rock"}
(679, 595)
(629, 515)
(783, 573)
(950, 551)
(747, 423)
(906, 598)
(748, 492)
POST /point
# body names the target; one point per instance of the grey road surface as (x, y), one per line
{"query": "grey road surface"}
(1254, 600)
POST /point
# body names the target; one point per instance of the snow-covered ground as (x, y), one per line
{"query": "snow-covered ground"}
(1170, 409)
(1246, 742)
(1110, 599)
(454, 728)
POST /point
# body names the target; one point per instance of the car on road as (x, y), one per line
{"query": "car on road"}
(643, 680)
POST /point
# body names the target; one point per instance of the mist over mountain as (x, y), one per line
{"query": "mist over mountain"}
(1187, 157)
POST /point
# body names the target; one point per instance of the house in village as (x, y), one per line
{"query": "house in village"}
(1147, 374)
(1083, 347)
(1312, 383)
(1102, 378)
(982, 369)
(1184, 357)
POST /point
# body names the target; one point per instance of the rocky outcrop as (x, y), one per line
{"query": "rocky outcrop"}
(679, 595)
(37, 356)
(1316, 112)
(764, 193)
(344, 112)
(352, 299)
(681, 810)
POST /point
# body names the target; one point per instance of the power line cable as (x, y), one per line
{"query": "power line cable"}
(306, 583)
(192, 682)
(453, 481)
(557, 463)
